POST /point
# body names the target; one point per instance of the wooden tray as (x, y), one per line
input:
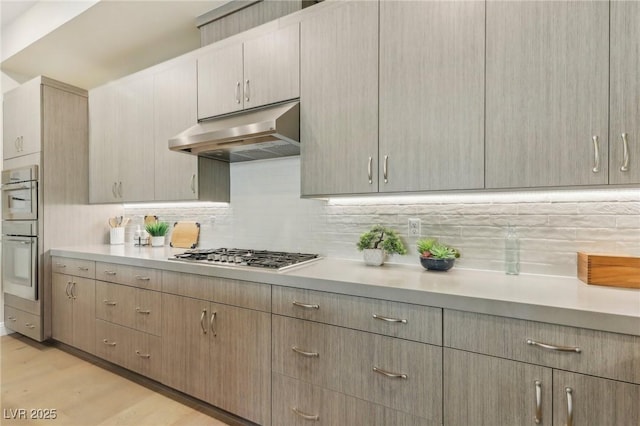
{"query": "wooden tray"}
(185, 235)
(617, 270)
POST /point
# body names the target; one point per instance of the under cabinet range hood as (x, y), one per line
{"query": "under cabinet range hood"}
(269, 132)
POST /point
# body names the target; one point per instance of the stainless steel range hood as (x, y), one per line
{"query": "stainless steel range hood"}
(258, 134)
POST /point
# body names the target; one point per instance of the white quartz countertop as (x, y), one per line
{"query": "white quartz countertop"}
(553, 299)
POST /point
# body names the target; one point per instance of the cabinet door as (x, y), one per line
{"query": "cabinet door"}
(61, 308)
(185, 344)
(240, 366)
(103, 140)
(22, 120)
(339, 100)
(431, 95)
(625, 92)
(84, 313)
(588, 400)
(220, 82)
(272, 67)
(546, 93)
(175, 109)
(483, 390)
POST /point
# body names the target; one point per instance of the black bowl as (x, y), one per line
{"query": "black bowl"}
(433, 264)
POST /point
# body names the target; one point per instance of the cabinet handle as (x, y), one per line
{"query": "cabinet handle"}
(625, 153)
(83, 268)
(237, 92)
(109, 302)
(246, 90)
(141, 278)
(387, 319)
(114, 189)
(211, 322)
(141, 355)
(17, 144)
(29, 325)
(553, 347)
(305, 305)
(73, 292)
(369, 170)
(569, 393)
(538, 418)
(108, 343)
(110, 272)
(596, 155)
(61, 265)
(66, 290)
(385, 169)
(304, 353)
(120, 189)
(204, 314)
(193, 183)
(21, 143)
(11, 318)
(143, 312)
(390, 374)
(313, 417)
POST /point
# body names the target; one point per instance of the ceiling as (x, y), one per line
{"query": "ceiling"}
(110, 39)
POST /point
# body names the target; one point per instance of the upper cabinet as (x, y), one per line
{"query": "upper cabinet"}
(624, 131)
(258, 72)
(431, 95)
(339, 100)
(22, 120)
(547, 91)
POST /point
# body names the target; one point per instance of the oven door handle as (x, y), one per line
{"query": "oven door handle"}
(20, 241)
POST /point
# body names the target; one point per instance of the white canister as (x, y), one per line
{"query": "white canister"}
(157, 241)
(116, 235)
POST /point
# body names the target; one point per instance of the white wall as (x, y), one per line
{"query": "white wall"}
(267, 212)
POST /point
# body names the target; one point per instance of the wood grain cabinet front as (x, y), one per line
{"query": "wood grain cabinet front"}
(73, 311)
(75, 267)
(134, 276)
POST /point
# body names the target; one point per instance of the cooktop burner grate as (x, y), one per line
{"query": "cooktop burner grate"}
(245, 257)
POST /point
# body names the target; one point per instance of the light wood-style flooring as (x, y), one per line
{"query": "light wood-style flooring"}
(41, 376)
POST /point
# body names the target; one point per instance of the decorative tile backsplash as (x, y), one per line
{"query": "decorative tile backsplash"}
(267, 212)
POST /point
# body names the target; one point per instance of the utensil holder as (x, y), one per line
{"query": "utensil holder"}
(116, 235)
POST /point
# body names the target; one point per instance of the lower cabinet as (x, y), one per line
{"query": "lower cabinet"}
(228, 361)
(73, 311)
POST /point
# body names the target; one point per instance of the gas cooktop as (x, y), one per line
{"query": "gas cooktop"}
(275, 260)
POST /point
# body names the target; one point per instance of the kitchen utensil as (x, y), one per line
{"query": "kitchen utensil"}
(150, 219)
(113, 222)
(185, 235)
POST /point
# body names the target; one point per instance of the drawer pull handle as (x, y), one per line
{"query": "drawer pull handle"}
(108, 343)
(202, 326)
(538, 418)
(625, 154)
(390, 374)
(387, 319)
(12, 318)
(569, 393)
(110, 272)
(212, 322)
(66, 290)
(61, 265)
(109, 302)
(29, 325)
(141, 278)
(306, 416)
(596, 155)
(143, 312)
(305, 353)
(141, 355)
(554, 348)
(305, 305)
(83, 268)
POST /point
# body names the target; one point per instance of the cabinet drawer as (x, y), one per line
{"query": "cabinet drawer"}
(245, 294)
(129, 275)
(298, 403)
(23, 322)
(148, 311)
(75, 267)
(604, 354)
(404, 320)
(115, 303)
(131, 349)
(396, 373)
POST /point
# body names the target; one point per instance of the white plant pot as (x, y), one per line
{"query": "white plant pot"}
(373, 257)
(157, 241)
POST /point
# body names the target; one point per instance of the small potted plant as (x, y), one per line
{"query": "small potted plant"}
(157, 230)
(378, 242)
(436, 256)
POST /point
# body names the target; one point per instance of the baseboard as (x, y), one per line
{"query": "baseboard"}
(4, 331)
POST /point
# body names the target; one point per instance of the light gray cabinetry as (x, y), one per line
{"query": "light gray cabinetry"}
(624, 131)
(22, 120)
(547, 93)
(431, 95)
(339, 100)
(258, 72)
(73, 311)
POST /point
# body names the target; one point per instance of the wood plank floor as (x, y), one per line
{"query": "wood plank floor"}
(40, 376)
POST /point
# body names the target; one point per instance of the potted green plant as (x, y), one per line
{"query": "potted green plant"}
(378, 242)
(436, 256)
(157, 230)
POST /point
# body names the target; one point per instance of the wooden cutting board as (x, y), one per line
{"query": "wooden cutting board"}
(185, 235)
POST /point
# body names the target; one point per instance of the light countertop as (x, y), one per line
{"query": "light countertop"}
(553, 299)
